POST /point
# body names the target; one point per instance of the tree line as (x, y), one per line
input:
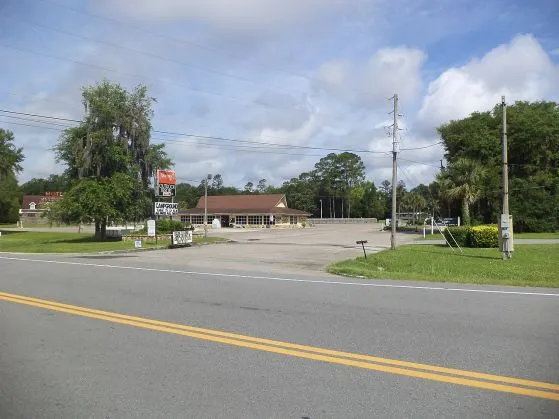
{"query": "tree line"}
(109, 163)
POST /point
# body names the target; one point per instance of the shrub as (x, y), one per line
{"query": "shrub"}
(461, 234)
(484, 236)
(167, 226)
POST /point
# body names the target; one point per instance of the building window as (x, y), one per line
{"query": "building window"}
(241, 219)
(32, 206)
(255, 219)
(197, 219)
(293, 219)
(211, 218)
(185, 219)
(269, 220)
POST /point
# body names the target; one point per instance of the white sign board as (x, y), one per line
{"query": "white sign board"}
(182, 237)
(166, 208)
(137, 244)
(151, 228)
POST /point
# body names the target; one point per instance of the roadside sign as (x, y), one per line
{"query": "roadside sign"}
(166, 181)
(182, 237)
(166, 208)
(151, 228)
(137, 244)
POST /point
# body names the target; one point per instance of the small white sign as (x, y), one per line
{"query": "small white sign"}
(182, 237)
(151, 228)
(137, 244)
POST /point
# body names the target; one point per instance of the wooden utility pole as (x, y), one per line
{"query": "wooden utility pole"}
(394, 172)
(505, 225)
(505, 160)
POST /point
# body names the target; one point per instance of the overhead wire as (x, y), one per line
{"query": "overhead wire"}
(209, 137)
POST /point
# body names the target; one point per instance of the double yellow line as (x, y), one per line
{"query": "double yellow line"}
(411, 369)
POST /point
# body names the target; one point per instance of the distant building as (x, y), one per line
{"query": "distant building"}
(245, 211)
(34, 207)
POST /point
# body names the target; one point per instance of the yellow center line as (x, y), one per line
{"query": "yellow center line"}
(314, 353)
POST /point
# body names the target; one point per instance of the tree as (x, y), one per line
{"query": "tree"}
(249, 187)
(110, 153)
(11, 157)
(217, 182)
(262, 185)
(10, 198)
(533, 156)
(38, 186)
(467, 176)
(339, 174)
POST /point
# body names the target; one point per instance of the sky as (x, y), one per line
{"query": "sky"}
(277, 84)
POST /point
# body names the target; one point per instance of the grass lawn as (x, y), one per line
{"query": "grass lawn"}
(47, 242)
(531, 265)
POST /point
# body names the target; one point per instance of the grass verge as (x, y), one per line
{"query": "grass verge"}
(531, 265)
(51, 242)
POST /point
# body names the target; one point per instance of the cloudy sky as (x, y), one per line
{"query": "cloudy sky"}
(279, 82)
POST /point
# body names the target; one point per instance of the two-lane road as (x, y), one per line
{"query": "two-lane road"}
(118, 338)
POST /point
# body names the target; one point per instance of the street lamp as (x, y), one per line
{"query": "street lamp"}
(208, 178)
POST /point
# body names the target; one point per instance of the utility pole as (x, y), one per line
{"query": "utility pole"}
(505, 160)
(505, 226)
(206, 204)
(394, 172)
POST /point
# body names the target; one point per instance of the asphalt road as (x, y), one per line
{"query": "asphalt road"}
(67, 361)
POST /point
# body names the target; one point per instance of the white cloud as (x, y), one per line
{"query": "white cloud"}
(520, 70)
(368, 85)
(240, 15)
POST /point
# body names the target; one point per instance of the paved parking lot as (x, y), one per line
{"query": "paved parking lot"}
(280, 250)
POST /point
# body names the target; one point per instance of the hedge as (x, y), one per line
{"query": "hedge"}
(484, 236)
(478, 236)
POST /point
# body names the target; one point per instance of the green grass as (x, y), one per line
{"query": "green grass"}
(531, 265)
(49, 242)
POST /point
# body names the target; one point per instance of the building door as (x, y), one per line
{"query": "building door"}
(225, 221)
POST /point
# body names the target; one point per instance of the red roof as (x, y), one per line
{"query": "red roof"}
(39, 201)
(245, 204)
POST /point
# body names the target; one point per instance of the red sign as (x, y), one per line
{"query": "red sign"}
(56, 194)
(167, 177)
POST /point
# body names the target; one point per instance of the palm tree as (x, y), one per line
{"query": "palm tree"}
(467, 176)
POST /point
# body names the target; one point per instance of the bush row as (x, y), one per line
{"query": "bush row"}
(478, 236)
(164, 226)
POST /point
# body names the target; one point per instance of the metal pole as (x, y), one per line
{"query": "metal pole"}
(394, 173)
(321, 208)
(206, 207)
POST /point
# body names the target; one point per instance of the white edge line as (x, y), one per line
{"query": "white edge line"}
(271, 278)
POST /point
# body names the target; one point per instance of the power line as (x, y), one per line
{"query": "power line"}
(421, 148)
(209, 137)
